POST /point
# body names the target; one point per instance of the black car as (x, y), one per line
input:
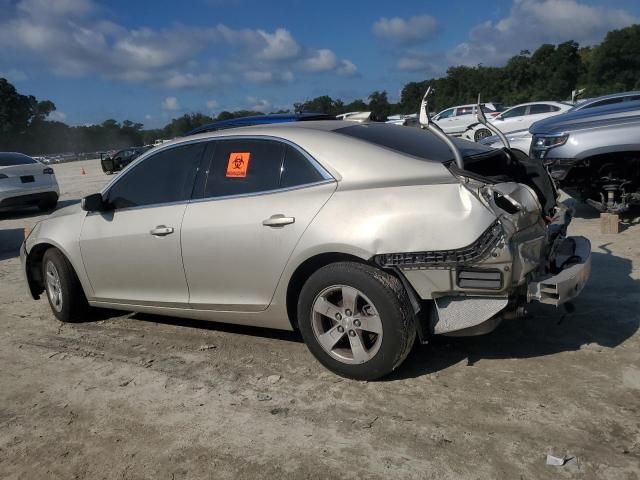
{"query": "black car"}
(121, 159)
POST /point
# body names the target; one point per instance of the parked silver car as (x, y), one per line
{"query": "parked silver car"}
(25, 182)
(359, 235)
(594, 153)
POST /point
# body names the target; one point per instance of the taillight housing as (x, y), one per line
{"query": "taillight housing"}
(48, 171)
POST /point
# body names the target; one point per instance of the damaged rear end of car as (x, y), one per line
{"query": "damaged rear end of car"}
(523, 254)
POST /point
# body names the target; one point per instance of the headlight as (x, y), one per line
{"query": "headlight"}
(550, 141)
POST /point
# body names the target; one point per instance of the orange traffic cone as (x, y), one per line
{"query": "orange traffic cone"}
(82, 172)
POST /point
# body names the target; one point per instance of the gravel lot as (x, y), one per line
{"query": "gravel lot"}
(139, 396)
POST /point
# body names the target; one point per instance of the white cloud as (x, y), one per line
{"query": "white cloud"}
(212, 104)
(259, 105)
(267, 76)
(280, 45)
(148, 117)
(57, 116)
(411, 30)
(533, 22)
(347, 68)
(170, 104)
(428, 64)
(322, 60)
(71, 39)
(189, 80)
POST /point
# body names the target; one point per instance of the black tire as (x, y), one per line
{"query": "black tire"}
(74, 306)
(389, 299)
(482, 133)
(48, 205)
(109, 172)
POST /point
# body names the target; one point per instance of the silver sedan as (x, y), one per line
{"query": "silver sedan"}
(361, 236)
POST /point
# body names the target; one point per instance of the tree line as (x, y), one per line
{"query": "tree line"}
(549, 73)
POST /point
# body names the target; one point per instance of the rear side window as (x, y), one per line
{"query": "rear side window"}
(609, 101)
(464, 111)
(241, 167)
(165, 177)
(540, 108)
(297, 169)
(514, 112)
(9, 159)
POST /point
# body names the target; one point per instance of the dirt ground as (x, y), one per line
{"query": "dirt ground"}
(139, 396)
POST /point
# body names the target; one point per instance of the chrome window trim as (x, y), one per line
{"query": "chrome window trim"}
(146, 155)
(327, 177)
(264, 192)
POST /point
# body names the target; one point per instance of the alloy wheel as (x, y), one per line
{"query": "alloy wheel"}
(346, 324)
(54, 287)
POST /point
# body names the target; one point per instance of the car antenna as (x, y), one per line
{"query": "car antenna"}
(481, 117)
(427, 124)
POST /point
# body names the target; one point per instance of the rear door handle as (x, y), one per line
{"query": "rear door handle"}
(278, 220)
(161, 231)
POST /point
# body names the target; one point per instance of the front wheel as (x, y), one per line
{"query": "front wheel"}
(66, 297)
(356, 320)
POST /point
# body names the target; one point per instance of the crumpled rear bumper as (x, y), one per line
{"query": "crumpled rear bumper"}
(564, 286)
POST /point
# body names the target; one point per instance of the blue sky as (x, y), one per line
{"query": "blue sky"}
(151, 61)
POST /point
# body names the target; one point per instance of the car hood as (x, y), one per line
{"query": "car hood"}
(65, 211)
(608, 115)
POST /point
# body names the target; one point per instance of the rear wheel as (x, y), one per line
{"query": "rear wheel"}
(66, 297)
(482, 133)
(356, 320)
(48, 204)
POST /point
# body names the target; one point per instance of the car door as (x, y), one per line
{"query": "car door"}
(446, 120)
(259, 197)
(511, 120)
(131, 251)
(461, 120)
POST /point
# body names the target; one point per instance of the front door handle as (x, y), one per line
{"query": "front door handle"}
(278, 220)
(161, 231)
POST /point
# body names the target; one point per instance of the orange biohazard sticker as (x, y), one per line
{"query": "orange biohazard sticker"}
(238, 164)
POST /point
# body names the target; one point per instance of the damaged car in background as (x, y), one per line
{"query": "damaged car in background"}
(362, 236)
(594, 154)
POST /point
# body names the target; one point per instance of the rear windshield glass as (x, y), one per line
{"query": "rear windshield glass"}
(409, 140)
(8, 159)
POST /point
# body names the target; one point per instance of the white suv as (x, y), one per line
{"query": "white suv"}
(455, 120)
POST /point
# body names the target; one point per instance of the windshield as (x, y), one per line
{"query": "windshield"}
(9, 159)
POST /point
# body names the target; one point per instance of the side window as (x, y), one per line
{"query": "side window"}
(514, 112)
(445, 114)
(297, 169)
(609, 101)
(540, 108)
(243, 167)
(464, 111)
(164, 177)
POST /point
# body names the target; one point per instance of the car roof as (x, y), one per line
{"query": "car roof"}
(351, 158)
(612, 113)
(260, 120)
(590, 101)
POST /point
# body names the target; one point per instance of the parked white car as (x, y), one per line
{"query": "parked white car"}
(25, 182)
(455, 120)
(517, 118)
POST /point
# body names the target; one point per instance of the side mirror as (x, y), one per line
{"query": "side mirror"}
(93, 203)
